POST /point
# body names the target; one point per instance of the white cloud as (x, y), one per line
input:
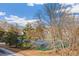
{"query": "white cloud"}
(32, 4)
(2, 13)
(40, 3)
(75, 8)
(20, 21)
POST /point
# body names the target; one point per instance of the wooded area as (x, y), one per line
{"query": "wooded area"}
(61, 31)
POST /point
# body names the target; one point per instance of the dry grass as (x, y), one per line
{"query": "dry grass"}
(61, 52)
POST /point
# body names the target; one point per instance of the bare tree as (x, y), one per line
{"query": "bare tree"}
(60, 21)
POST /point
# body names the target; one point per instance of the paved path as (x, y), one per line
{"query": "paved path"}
(6, 52)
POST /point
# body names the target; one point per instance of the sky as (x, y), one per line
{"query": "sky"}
(19, 12)
(22, 13)
(20, 9)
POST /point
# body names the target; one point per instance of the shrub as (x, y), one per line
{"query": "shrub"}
(24, 44)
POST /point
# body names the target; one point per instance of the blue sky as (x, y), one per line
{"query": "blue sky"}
(21, 13)
(20, 9)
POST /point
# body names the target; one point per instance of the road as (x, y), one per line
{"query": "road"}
(6, 52)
